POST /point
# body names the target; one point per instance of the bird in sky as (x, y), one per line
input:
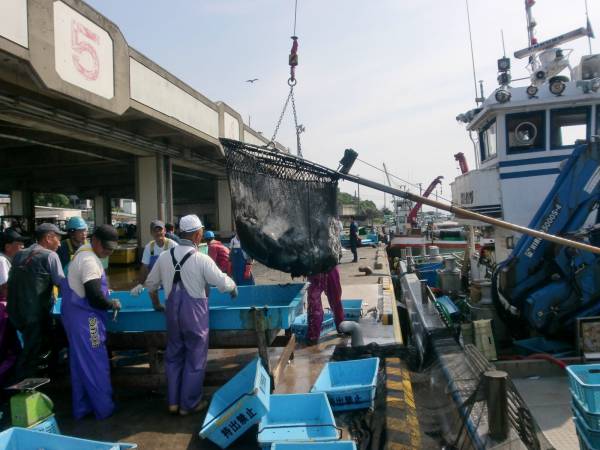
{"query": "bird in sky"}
(252, 80)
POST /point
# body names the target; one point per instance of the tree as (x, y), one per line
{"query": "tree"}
(56, 200)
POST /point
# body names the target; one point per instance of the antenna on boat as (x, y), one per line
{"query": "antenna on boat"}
(589, 26)
(503, 46)
(477, 99)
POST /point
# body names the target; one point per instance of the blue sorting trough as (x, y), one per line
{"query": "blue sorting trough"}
(584, 382)
(281, 303)
(300, 325)
(339, 445)
(352, 309)
(297, 418)
(23, 439)
(349, 384)
(237, 405)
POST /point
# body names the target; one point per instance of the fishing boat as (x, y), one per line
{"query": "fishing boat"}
(522, 134)
(537, 164)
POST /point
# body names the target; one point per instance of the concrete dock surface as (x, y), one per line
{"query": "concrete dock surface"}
(142, 416)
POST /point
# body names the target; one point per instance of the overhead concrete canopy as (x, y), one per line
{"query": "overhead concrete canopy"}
(79, 108)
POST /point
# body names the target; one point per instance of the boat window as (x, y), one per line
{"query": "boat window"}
(525, 132)
(568, 125)
(487, 141)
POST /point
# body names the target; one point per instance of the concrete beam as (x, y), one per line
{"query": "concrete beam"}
(96, 72)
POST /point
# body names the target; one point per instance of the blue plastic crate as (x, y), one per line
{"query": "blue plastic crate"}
(339, 445)
(591, 419)
(352, 309)
(300, 325)
(349, 384)
(47, 425)
(298, 418)
(584, 443)
(590, 437)
(24, 439)
(238, 405)
(584, 381)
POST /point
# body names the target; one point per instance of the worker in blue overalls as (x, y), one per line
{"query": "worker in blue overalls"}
(84, 304)
(241, 263)
(185, 274)
(77, 230)
(152, 251)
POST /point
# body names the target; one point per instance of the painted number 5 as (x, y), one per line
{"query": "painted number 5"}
(85, 57)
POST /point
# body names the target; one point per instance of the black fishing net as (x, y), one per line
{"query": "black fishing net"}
(284, 208)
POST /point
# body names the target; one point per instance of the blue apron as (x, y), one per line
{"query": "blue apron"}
(238, 268)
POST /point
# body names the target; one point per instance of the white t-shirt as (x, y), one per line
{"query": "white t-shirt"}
(84, 267)
(169, 243)
(4, 269)
(196, 272)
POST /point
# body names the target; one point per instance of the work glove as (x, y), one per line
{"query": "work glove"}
(136, 291)
(116, 304)
(234, 292)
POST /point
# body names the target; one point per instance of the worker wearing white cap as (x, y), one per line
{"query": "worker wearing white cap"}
(185, 275)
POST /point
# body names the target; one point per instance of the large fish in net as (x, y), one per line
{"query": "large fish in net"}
(284, 209)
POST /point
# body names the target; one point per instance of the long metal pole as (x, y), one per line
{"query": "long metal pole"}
(466, 214)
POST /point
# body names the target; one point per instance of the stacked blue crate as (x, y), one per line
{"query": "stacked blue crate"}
(237, 405)
(300, 325)
(25, 439)
(584, 384)
(349, 384)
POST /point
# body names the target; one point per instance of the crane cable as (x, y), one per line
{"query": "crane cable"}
(292, 81)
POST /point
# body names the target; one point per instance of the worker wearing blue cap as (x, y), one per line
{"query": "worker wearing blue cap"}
(84, 302)
(218, 252)
(77, 230)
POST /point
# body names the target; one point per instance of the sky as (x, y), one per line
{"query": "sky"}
(384, 77)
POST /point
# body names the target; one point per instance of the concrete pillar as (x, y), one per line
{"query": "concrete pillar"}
(102, 212)
(224, 210)
(21, 204)
(168, 169)
(154, 197)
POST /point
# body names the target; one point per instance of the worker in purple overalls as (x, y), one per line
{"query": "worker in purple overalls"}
(185, 274)
(152, 250)
(84, 305)
(330, 283)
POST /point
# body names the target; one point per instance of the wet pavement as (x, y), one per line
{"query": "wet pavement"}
(141, 416)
